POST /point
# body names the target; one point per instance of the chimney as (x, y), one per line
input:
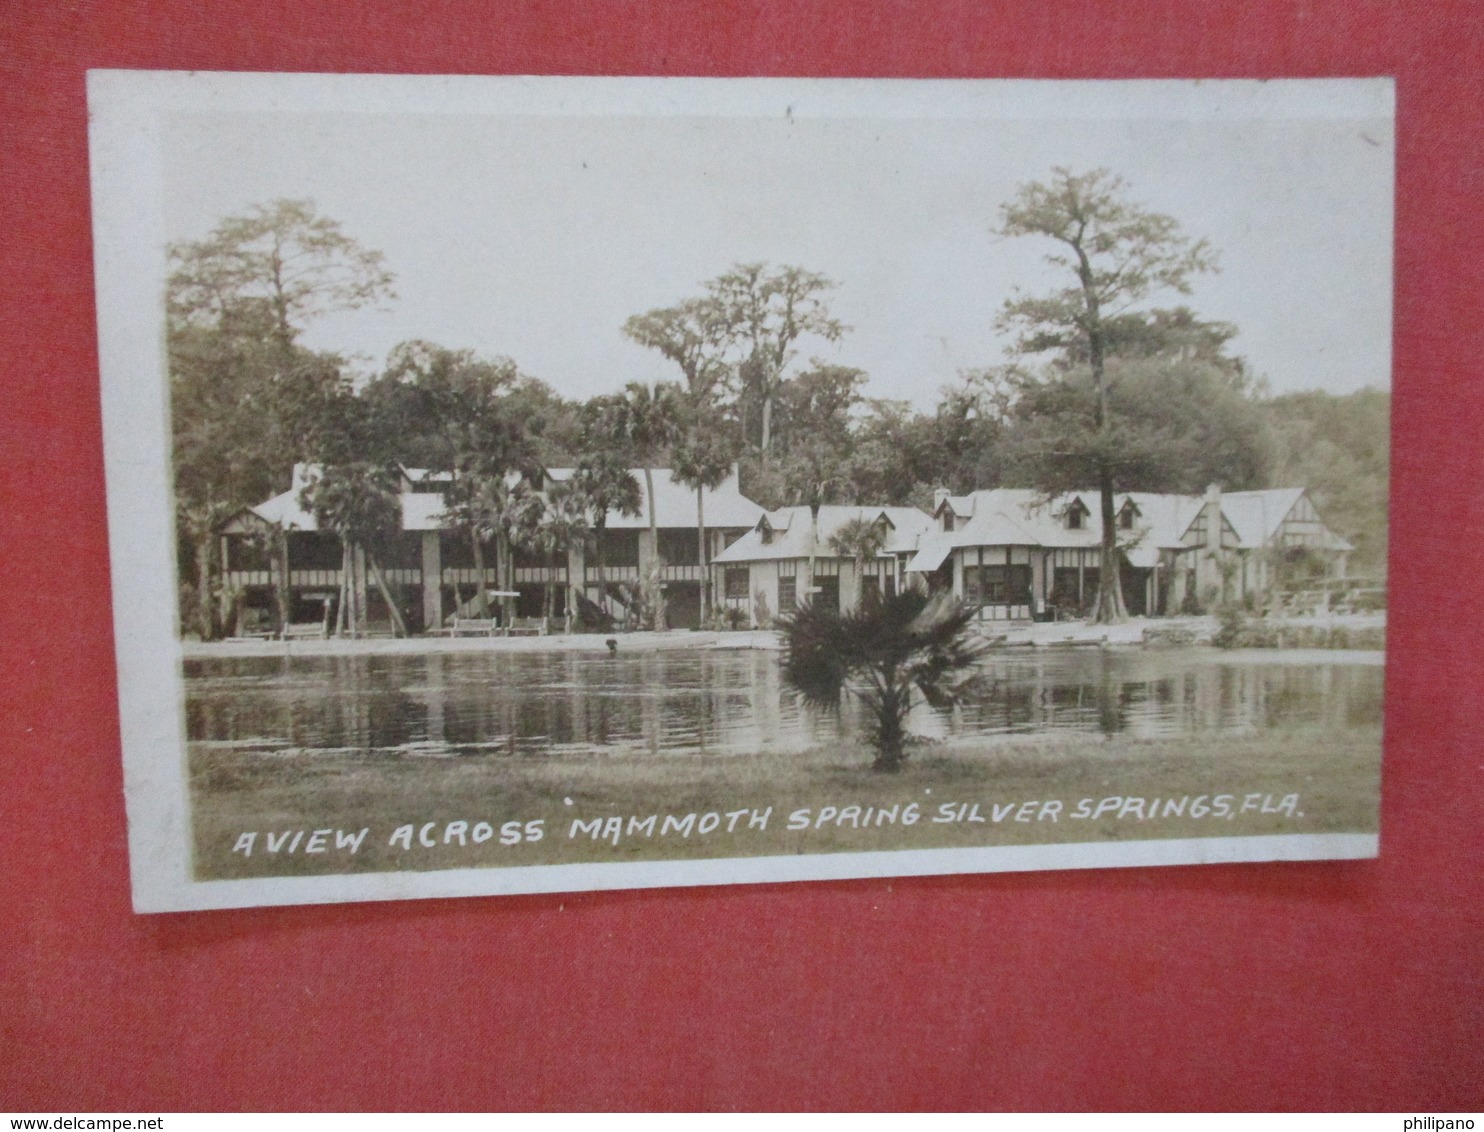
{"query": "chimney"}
(1213, 517)
(939, 494)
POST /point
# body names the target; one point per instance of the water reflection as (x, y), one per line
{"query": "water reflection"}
(722, 703)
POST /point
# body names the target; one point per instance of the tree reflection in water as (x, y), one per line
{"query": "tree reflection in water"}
(730, 702)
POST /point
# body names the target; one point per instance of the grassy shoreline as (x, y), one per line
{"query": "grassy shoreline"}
(1334, 773)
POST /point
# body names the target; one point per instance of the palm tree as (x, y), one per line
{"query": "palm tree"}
(602, 485)
(647, 421)
(702, 459)
(565, 524)
(545, 525)
(272, 540)
(490, 508)
(816, 471)
(357, 501)
(202, 526)
(862, 540)
(881, 652)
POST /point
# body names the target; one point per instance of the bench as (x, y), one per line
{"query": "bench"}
(473, 626)
(527, 627)
(304, 631)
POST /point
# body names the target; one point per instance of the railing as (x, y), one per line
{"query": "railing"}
(317, 578)
(240, 578)
(467, 576)
(1000, 612)
(541, 575)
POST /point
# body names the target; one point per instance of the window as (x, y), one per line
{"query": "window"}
(986, 585)
(737, 582)
(1076, 514)
(788, 594)
(620, 547)
(1127, 516)
(828, 596)
(679, 547)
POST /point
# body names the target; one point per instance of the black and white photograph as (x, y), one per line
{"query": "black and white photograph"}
(523, 485)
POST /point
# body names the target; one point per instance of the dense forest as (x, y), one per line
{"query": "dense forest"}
(1107, 392)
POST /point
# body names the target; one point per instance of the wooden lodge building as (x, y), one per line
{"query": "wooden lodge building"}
(430, 569)
(1013, 553)
(766, 571)
(1018, 555)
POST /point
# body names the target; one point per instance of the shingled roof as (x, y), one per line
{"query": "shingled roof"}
(1024, 517)
(789, 529)
(675, 503)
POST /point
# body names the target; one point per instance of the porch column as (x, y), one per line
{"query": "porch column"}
(576, 574)
(1009, 612)
(432, 582)
(358, 588)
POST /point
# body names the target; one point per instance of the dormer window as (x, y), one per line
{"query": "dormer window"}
(947, 519)
(767, 535)
(1076, 515)
(1128, 516)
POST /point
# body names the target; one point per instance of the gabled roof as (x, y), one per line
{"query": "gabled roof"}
(962, 506)
(1257, 516)
(1024, 517)
(285, 509)
(675, 503)
(791, 526)
(422, 510)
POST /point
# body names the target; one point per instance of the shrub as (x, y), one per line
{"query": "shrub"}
(883, 652)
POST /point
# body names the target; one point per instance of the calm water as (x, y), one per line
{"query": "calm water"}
(728, 702)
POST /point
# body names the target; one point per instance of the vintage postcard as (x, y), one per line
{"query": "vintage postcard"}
(544, 484)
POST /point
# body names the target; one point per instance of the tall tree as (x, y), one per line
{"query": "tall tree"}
(453, 412)
(645, 421)
(766, 313)
(1118, 254)
(564, 524)
(604, 485)
(357, 500)
(281, 258)
(245, 397)
(702, 458)
(862, 541)
(694, 335)
(445, 407)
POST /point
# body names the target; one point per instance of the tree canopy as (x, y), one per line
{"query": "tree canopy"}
(1117, 254)
(1107, 390)
(280, 262)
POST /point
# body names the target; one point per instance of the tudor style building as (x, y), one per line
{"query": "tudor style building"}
(1018, 555)
(766, 572)
(430, 569)
(1013, 553)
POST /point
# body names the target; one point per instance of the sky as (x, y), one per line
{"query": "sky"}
(535, 235)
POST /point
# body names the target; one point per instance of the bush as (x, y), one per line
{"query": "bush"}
(883, 652)
(1231, 626)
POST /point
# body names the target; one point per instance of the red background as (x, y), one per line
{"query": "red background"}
(1343, 985)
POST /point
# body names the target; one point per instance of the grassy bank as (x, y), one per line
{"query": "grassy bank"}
(1025, 792)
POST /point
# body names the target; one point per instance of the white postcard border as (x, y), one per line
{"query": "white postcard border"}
(127, 110)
